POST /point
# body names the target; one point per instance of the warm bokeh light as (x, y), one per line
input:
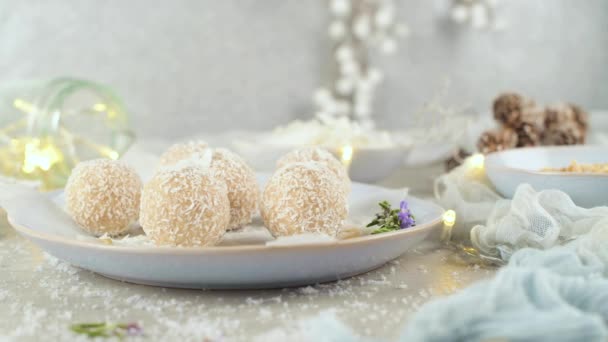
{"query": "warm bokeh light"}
(346, 154)
(449, 218)
(476, 161)
(113, 155)
(100, 107)
(23, 105)
(39, 158)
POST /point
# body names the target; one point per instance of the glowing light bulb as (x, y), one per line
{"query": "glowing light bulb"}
(23, 106)
(346, 154)
(113, 155)
(476, 161)
(39, 158)
(100, 107)
(449, 218)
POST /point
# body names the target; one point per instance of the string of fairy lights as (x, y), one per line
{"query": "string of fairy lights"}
(39, 144)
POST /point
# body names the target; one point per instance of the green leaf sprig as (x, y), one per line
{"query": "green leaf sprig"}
(387, 220)
(104, 329)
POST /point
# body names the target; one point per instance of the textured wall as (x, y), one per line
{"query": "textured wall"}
(190, 66)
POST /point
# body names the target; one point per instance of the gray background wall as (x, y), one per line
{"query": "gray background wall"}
(190, 66)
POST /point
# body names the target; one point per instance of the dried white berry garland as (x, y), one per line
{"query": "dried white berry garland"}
(479, 14)
(357, 28)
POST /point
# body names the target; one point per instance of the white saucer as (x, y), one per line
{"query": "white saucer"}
(227, 267)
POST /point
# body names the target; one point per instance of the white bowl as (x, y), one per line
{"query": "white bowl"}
(241, 266)
(507, 169)
(368, 165)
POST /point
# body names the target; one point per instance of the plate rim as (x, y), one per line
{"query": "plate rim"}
(174, 250)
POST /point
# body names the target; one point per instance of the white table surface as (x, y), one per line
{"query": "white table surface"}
(41, 296)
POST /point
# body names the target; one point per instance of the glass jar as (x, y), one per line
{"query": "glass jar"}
(47, 127)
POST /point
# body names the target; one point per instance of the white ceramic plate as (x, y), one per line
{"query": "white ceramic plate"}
(508, 169)
(244, 266)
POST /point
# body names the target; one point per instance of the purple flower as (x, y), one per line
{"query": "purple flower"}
(406, 219)
(134, 329)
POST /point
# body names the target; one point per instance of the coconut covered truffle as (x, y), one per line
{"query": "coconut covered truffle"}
(103, 196)
(182, 151)
(185, 205)
(322, 156)
(304, 198)
(243, 191)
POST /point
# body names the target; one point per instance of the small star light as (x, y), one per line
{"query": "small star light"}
(346, 155)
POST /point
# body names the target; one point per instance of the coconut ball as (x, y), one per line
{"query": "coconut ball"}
(182, 151)
(185, 205)
(243, 191)
(304, 198)
(103, 195)
(318, 155)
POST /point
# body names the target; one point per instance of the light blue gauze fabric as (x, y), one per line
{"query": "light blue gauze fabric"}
(560, 294)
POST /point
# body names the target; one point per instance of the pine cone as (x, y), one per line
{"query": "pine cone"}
(497, 140)
(534, 116)
(456, 160)
(509, 108)
(565, 124)
(568, 133)
(580, 116)
(528, 135)
(557, 115)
